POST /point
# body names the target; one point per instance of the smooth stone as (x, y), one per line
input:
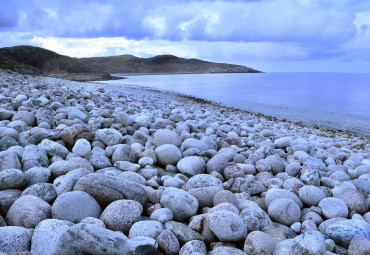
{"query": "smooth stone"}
(310, 177)
(9, 160)
(63, 184)
(332, 207)
(37, 175)
(311, 195)
(45, 191)
(224, 206)
(182, 232)
(273, 194)
(123, 152)
(28, 211)
(98, 159)
(263, 219)
(28, 117)
(12, 179)
(343, 232)
(168, 243)
(194, 246)
(148, 228)
(34, 153)
(284, 248)
(276, 163)
(74, 206)
(45, 238)
(205, 195)
(7, 198)
(359, 246)
(225, 196)
(168, 154)
(217, 163)
(75, 132)
(354, 199)
(132, 176)
(193, 143)
(227, 226)
(120, 215)
(62, 167)
(284, 211)
(162, 215)
(82, 147)
(204, 180)
(192, 165)
(166, 136)
(258, 242)
(109, 136)
(15, 239)
(74, 112)
(54, 148)
(92, 220)
(293, 168)
(283, 142)
(10, 132)
(181, 203)
(107, 189)
(310, 243)
(142, 245)
(127, 166)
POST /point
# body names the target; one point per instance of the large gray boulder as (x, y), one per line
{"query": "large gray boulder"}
(168, 154)
(28, 211)
(227, 226)
(8, 160)
(47, 234)
(15, 239)
(166, 136)
(182, 204)
(107, 189)
(92, 239)
(342, 232)
(121, 215)
(75, 206)
(12, 179)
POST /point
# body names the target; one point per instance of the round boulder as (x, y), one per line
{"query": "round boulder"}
(74, 206)
(192, 165)
(284, 211)
(28, 211)
(121, 215)
(181, 203)
(168, 154)
(227, 226)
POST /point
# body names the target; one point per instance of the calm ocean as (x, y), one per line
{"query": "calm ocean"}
(334, 100)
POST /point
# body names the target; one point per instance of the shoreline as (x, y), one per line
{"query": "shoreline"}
(321, 127)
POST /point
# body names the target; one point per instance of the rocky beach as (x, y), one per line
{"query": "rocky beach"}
(90, 168)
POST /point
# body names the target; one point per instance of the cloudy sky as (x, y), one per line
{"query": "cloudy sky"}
(270, 35)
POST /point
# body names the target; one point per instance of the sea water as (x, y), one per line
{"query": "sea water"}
(333, 100)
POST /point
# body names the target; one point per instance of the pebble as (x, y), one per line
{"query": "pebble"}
(227, 226)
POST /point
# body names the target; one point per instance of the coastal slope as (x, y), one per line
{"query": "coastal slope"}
(35, 60)
(164, 64)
